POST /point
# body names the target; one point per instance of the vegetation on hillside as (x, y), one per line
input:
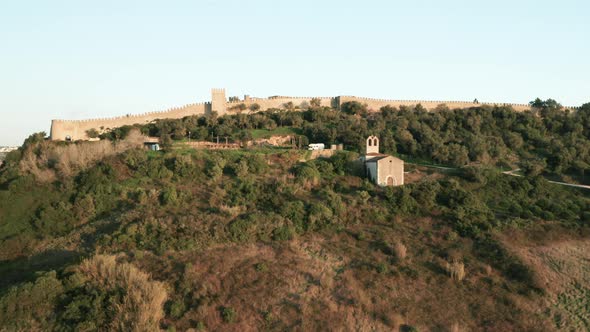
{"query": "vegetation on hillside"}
(544, 140)
(256, 239)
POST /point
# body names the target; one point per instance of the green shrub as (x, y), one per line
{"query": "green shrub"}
(169, 196)
(283, 233)
(261, 267)
(31, 306)
(92, 133)
(228, 314)
(176, 309)
(239, 230)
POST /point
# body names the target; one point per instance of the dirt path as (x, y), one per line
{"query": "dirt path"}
(513, 173)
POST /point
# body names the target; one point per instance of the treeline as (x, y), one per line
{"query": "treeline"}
(547, 139)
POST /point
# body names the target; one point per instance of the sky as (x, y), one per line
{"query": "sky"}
(87, 59)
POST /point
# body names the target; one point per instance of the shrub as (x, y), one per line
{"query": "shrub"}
(139, 307)
(254, 107)
(48, 161)
(283, 233)
(177, 309)
(261, 267)
(241, 168)
(228, 314)
(239, 230)
(92, 133)
(456, 270)
(184, 167)
(30, 306)
(364, 196)
(353, 107)
(295, 212)
(308, 174)
(319, 215)
(400, 250)
(169, 196)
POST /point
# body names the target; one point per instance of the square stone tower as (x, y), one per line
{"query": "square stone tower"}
(218, 101)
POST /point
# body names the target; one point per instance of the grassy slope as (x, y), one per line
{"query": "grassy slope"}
(344, 274)
(280, 131)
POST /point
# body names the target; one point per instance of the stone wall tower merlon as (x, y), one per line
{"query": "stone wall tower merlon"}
(218, 101)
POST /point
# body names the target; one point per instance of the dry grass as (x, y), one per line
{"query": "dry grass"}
(298, 289)
(563, 268)
(456, 270)
(231, 211)
(456, 327)
(48, 161)
(331, 283)
(400, 250)
(141, 309)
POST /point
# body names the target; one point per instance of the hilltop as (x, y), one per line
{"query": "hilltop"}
(108, 235)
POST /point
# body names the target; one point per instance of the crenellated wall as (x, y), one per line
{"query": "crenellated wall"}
(76, 129)
(375, 104)
(280, 101)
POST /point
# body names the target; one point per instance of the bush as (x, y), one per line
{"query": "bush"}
(283, 233)
(353, 108)
(31, 306)
(400, 250)
(261, 267)
(295, 212)
(92, 133)
(169, 196)
(139, 303)
(177, 309)
(254, 107)
(239, 230)
(228, 314)
(456, 270)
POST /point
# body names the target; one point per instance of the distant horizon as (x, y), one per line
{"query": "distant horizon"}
(73, 60)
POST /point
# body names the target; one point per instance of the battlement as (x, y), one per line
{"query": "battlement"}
(77, 129)
(139, 115)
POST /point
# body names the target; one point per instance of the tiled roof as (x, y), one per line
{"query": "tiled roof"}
(377, 158)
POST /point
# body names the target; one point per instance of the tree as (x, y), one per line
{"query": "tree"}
(353, 107)
(255, 107)
(315, 102)
(533, 167)
(92, 133)
(289, 106)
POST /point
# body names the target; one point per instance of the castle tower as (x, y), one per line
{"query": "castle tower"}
(218, 101)
(372, 144)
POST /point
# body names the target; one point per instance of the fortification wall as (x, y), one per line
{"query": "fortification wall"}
(76, 129)
(280, 101)
(375, 104)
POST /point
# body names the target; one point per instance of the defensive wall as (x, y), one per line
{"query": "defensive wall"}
(77, 129)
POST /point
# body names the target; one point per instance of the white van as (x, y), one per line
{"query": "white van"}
(316, 146)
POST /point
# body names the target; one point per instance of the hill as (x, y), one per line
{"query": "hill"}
(109, 236)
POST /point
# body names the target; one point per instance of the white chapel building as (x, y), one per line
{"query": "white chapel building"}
(382, 169)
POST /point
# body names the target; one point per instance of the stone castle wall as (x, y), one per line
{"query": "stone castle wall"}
(76, 129)
(375, 104)
(280, 101)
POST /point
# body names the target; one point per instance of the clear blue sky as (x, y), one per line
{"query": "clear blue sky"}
(78, 59)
